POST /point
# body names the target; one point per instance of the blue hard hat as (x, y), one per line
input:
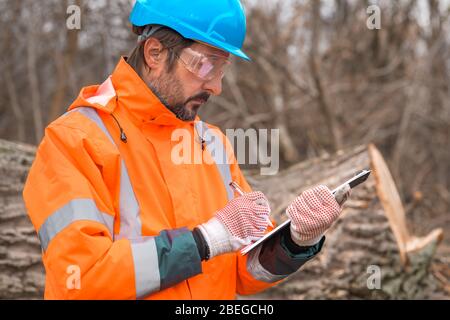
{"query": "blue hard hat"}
(219, 23)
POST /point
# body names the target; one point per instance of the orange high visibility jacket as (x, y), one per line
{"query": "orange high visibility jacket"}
(114, 212)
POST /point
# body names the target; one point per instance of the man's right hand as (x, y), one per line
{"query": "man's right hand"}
(241, 221)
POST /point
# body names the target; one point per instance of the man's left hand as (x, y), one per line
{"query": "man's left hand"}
(313, 212)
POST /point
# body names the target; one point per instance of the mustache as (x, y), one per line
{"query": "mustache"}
(201, 96)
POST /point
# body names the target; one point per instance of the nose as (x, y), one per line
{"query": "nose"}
(213, 86)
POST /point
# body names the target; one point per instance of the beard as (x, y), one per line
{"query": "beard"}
(169, 91)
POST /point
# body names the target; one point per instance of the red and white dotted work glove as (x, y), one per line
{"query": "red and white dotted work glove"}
(242, 221)
(313, 212)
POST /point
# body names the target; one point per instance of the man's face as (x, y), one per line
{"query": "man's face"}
(180, 90)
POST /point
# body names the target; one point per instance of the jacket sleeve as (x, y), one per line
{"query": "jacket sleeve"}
(71, 205)
(272, 262)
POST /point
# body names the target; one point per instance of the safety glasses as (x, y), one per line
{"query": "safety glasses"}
(205, 67)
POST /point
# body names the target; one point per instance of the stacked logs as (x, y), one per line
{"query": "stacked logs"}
(21, 269)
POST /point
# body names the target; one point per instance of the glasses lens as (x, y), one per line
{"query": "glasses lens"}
(203, 66)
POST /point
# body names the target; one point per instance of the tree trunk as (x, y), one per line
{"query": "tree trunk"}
(371, 234)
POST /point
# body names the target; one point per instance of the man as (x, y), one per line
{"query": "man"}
(118, 218)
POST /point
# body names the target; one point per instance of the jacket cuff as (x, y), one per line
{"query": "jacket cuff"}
(202, 245)
(299, 252)
(277, 259)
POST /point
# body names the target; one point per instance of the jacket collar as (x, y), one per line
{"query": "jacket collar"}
(124, 88)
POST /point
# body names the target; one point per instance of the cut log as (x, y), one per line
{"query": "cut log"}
(370, 240)
(390, 199)
(21, 269)
(370, 236)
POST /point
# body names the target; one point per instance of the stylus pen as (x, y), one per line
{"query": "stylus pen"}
(238, 189)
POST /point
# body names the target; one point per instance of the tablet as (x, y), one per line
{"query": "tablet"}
(353, 182)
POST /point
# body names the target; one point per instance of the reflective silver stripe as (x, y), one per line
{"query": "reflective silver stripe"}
(255, 268)
(93, 115)
(143, 249)
(75, 210)
(219, 155)
(130, 221)
(146, 269)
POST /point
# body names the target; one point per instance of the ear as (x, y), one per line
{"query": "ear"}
(154, 54)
